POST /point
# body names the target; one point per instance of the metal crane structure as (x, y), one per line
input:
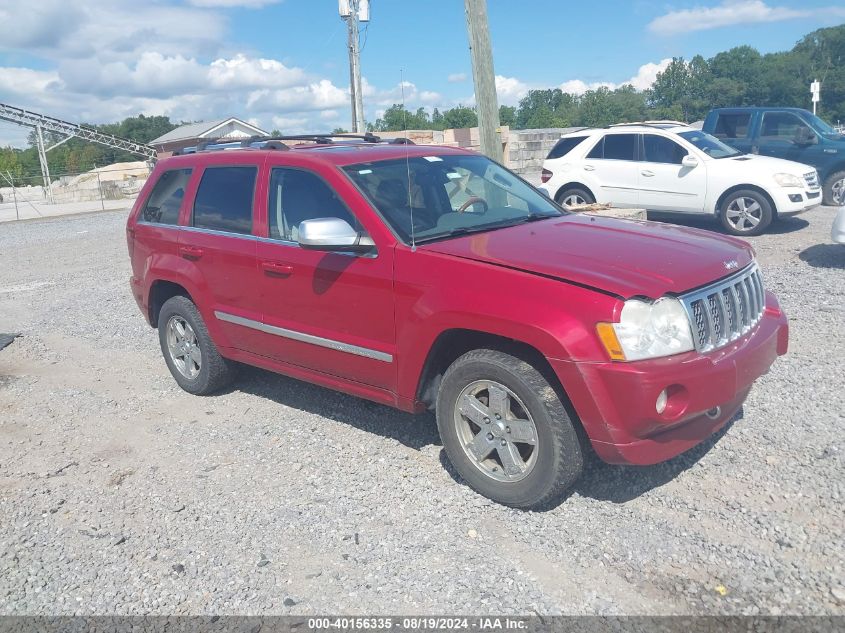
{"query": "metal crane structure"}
(42, 123)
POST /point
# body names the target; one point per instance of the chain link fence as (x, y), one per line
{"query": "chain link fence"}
(24, 196)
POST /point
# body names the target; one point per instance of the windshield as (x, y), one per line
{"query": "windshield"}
(821, 126)
(710, 145)
(432, 197)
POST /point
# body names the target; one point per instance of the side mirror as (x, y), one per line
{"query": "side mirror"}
(689, 161)
(332, 234)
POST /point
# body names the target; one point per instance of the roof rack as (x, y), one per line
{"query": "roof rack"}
(277, 142)
(655, 124)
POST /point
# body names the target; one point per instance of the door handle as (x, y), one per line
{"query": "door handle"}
(647, 173)
(190, 252)
(279, 269)
(589, 168)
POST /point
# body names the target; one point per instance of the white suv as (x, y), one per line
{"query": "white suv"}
(671, 167)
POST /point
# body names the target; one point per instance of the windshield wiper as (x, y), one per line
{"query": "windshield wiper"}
(465, 230)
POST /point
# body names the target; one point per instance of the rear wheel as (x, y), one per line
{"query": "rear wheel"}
(188, 350)
(574, 196)
(745, 212)
(506, 431)
(834, 189)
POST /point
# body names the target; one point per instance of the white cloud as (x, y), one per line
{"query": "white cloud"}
(101, 64)
(319, 95)
(456, 78)
(579, 87)
(242, 72)
(728, 13)
(510, 90)
(647, 74)
(84, 28)
(227, 4)
(645, 77)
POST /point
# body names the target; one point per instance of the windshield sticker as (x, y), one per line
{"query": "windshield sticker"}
(453, 175)
(364, 172)
(433, 159)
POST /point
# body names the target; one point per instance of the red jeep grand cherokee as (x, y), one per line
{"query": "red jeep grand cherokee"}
(420, 276)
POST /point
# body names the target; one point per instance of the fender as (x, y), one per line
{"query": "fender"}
(178, 270)
(555, 318)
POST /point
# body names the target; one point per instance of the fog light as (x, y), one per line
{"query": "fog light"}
(662, 400)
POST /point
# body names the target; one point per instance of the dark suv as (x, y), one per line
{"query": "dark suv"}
(431, 277)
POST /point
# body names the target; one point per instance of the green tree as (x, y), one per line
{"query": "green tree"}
(460, 117)
(507, 115)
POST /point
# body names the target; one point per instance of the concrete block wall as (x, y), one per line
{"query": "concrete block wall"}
(523, 150)
(527, 149)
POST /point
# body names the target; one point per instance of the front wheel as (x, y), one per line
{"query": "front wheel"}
(506, 431)
(834, 189)
(745, 212)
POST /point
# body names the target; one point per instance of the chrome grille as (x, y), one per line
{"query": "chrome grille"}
(812, 179)
(726, 310)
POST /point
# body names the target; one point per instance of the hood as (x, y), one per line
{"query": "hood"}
(775, 165)
(624, 257)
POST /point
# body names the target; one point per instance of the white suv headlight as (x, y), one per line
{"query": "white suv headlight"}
(648, 330)
(789, 180)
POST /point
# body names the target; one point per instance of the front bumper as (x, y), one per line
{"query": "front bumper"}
(616, 401)
(792, 201)
(837, 232)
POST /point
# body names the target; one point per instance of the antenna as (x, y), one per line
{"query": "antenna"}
(407, 160)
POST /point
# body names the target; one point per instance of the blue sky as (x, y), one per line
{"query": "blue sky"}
(283, 63)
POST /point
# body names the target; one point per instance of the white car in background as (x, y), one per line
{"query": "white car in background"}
(671, 167)
(837, 232)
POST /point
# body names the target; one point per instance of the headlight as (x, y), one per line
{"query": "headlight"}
(788, 180)
(647, 330)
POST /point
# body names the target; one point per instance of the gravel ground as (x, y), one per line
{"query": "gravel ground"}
(121, 494)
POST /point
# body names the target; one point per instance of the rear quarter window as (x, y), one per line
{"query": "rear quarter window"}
(224, 199)
(564, 146)
(162, 207)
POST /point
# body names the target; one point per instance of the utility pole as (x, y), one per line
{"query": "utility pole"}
(355, 11)
(42, 158)
(486, 103)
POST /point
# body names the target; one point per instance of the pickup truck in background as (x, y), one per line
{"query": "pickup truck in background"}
(790, 133)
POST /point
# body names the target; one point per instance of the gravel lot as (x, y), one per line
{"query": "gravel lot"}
(121, 494)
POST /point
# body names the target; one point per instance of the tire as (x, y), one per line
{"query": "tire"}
(574, 195)
(551, 465)
(833, 193)
(202, 371)
(745, 212)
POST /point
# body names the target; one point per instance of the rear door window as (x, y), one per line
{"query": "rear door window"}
(620, 147)
(224, 199)
(565, 145)
(163, 205)
(732, 125)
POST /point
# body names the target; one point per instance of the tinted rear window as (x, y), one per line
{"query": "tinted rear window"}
(565, 145)
(620, 146)
(732, 125)
(224, 199)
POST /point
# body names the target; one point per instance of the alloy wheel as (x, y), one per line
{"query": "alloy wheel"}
(496, 431)
(573, 200)
(837, 192)
(743, 214)
(183, 347)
